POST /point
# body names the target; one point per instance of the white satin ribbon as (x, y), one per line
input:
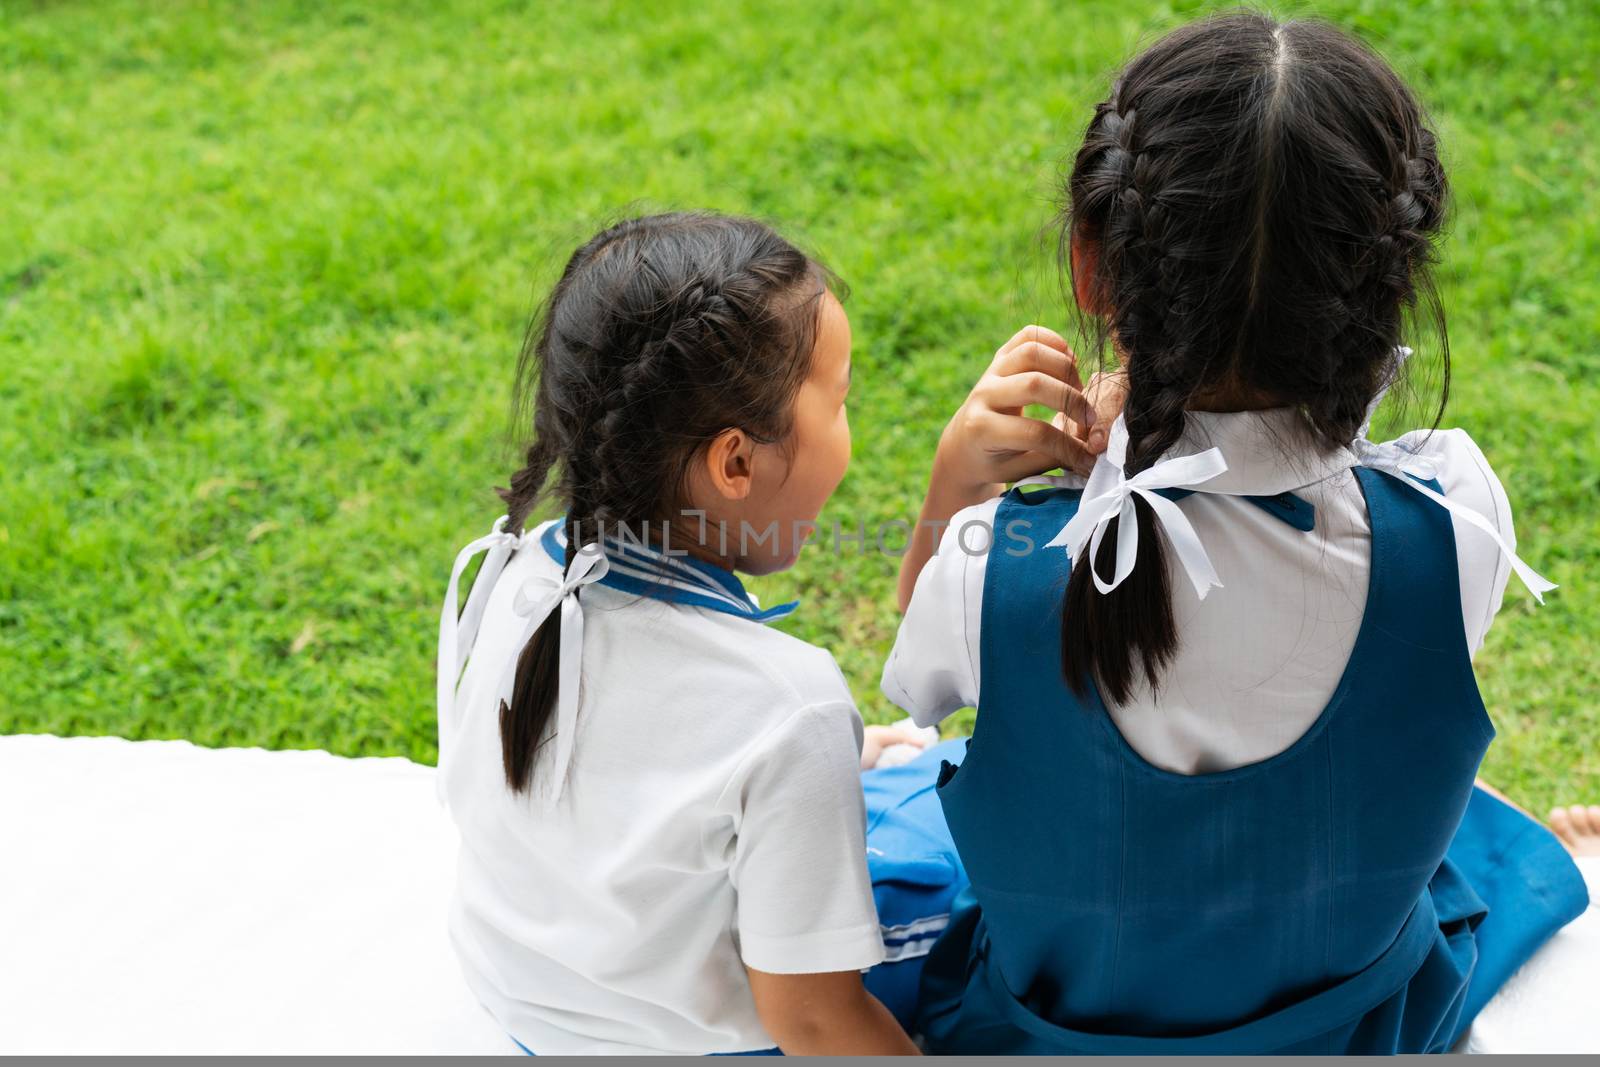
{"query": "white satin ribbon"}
(1395, 460)
(537, 597)
(1110, 494)
(459, 629)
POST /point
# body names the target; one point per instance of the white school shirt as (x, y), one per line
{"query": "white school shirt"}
(1259, 658)
(713, 818)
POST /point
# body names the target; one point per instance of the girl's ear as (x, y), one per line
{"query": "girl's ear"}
(1085, 266)
(729, 464)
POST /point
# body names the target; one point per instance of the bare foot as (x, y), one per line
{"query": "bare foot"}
(1578, 827)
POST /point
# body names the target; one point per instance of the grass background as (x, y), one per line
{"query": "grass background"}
(264, 269)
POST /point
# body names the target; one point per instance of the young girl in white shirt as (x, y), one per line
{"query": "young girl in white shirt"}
(1220, 793)
(661, 816)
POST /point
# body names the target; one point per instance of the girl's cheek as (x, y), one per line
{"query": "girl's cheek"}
(837, 451)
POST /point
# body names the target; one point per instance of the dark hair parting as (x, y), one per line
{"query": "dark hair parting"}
(1262, 199)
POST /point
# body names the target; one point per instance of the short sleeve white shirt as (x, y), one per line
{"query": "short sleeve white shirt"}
(712, 819)
(1258, 658)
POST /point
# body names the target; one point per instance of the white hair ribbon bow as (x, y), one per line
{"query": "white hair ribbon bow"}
(456, 635)
(1396, 460)
(535, 600)
(1110, 494)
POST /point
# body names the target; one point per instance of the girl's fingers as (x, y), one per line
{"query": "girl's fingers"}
(1025, 465)
(1042, 334)
(1017, 391)
(1562, 825)
(877, 738)
(1108, 393)
(1020, 434)
(1080, 434)
(896, 735)
(1036, 356)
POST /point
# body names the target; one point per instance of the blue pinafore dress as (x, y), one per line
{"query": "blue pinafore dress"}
(1352, 894)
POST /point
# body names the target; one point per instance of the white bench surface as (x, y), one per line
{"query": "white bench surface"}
(158, 897)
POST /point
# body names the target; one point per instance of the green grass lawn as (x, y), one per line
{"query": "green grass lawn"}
(264, 270)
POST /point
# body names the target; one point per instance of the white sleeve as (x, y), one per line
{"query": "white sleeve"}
(932, 670)
(800, 854)
(1465, 477)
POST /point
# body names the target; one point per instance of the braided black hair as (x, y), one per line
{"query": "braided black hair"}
(1259, 202)
(662, 331)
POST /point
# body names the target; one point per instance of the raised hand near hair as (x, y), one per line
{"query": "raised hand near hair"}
(990, 441)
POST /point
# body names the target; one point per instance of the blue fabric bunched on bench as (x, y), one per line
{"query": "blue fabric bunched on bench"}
(916, 873)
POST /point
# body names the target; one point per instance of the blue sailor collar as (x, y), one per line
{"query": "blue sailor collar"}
(643, 570)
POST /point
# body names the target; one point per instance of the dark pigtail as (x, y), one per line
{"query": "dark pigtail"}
(1114, 637)
(1136, 616)
(523, 720)
(533, 695)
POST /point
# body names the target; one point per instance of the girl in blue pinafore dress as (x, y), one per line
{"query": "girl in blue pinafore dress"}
(1220, 797)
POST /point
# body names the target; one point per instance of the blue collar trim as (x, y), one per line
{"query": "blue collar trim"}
(641, 570)
(1294, 510)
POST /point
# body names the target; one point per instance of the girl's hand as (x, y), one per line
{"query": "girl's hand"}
(990, 442)
(874, 739)
(1107, 393)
